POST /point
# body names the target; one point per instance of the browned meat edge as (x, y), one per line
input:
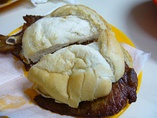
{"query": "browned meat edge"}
(4, 48)
(16, 48)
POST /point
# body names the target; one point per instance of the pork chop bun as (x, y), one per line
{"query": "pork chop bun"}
(67, 71)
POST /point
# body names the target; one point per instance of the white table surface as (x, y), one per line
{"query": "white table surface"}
(136, 18)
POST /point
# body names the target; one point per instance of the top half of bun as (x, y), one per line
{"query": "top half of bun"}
(66, 25)
(71, 24)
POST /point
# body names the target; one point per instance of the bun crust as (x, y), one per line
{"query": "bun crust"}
(112, 51)
(127, 58)
(83, 12)
(78, 73)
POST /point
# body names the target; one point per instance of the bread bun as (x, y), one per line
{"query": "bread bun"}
(112, 51)
(58, 30)
(73, 74)
(78, 72)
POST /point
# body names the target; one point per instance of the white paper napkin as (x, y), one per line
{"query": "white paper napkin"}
(139, 57)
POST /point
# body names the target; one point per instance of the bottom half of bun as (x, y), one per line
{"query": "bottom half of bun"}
(123, 91)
